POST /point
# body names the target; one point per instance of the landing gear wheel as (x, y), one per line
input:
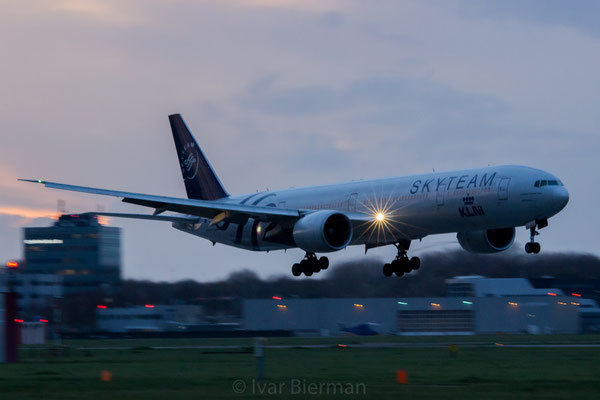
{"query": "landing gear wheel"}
(415, 263)
(536, 248)
(388, 270)
(296, 269)
(315, 266)
(323, 263)
(528, 248)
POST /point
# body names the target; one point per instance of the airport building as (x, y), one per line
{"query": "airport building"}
(149, 318)
(77, 248)
(474, 305)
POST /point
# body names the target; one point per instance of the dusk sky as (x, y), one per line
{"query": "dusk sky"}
(282, 93)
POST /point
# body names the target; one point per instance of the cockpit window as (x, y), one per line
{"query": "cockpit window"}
(541, 183)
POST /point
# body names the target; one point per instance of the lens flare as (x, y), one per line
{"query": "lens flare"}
(384, 218)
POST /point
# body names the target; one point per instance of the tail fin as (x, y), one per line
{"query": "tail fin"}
(200, 180)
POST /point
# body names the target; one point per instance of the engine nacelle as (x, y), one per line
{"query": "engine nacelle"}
(489, 241)
(323, 231)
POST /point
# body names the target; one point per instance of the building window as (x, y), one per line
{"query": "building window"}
(435, 321)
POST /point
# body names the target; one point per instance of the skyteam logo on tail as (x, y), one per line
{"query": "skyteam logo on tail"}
(189, 161)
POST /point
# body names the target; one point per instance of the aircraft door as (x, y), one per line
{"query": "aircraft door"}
(503, 189)
(352, 202)
(440, 194)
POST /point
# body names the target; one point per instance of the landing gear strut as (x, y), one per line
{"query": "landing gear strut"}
(310, 265)
(402, 264)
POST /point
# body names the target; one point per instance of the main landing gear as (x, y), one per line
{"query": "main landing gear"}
(402, 264)
(310, 265)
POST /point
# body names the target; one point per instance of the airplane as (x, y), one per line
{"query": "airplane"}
(363, 329)
(482, 206)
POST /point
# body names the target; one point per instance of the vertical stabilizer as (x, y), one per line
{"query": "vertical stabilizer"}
(200, 180)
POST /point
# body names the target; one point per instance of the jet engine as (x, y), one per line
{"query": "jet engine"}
(486, 241)
(323, 231)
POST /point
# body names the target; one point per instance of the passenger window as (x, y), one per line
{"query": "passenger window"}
(544, 183)
(552, 183)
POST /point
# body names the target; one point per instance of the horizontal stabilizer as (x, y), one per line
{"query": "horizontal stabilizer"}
(169, 218)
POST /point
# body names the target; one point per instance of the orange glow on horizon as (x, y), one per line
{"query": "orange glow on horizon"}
(26, 212)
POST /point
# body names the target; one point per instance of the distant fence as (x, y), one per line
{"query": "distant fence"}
(176, 335)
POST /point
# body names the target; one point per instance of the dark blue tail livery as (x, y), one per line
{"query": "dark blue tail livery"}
(200, 180)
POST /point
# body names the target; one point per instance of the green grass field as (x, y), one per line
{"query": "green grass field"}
(471, 373)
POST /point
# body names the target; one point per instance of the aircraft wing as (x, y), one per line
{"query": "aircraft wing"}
(215, 210)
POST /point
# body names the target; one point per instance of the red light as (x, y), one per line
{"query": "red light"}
(20, 321)
(551, 294)
(12, 264)
(276, 298)
(74, 216)
(149, 306)
(44, 320)
(575, 294)
(101, 306)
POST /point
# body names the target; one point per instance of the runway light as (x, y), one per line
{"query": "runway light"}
(12, 264)
(575, 294)
(575, 304)
(562, 303)
(513, 304)
(101, 306)
(276, 298)
(358, 305)
(552, 294)
(19, 321)
(44, 320)
(499, 344)
(467, 302)
(149, 305)
(435, 304)
(402, 303)
(281, 306)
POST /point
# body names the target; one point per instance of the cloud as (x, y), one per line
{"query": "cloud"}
(581, 15)
(27, 213)
(404, 98)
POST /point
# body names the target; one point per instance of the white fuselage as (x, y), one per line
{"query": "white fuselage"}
(412, 206)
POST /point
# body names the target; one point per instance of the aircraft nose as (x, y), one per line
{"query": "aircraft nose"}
(561, 197)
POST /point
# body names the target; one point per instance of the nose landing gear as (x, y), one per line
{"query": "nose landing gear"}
(532, 246)
(310, 265)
